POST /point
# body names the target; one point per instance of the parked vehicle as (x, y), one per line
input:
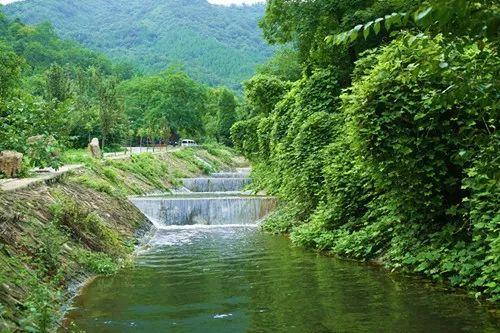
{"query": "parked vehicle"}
(188, 143)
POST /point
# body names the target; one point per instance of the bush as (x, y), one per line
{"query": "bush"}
(88, 228)
(44, 151)
(97, 184)
(96, 262)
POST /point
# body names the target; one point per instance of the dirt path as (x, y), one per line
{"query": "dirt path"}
(13, 184)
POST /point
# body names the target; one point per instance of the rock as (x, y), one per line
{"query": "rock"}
(94, 148)
(67, 248)
(10, 163)
(32, 140)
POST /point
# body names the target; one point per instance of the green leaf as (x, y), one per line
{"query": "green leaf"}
(353, 35)
(420, 15)
(388, 22)
(366, 31)
(376, 27)
(340, 38)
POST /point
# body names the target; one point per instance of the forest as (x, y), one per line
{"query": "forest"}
(64, 94)
(381, 137)
(217, 45)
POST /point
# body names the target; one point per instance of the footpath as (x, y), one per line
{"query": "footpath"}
(46, 175)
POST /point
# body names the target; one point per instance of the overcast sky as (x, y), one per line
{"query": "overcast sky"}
(217, 2)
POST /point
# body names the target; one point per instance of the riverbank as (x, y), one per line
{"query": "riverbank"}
(81, 224)
(452, 264)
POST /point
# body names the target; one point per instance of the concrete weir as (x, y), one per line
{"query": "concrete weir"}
(215, 184)
(214, 200)
(211, 210)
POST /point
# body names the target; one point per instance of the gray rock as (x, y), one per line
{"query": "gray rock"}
(11, 163)
(94, 149)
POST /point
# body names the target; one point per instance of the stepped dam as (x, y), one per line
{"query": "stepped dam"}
(214, 200)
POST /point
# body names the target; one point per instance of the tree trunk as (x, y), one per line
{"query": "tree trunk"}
(102, 144)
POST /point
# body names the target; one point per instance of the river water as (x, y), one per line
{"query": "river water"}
(211, 278)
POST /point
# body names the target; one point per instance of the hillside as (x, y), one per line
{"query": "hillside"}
(40, 47)
(216, 44)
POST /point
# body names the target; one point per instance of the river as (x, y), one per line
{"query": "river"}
(199, 276)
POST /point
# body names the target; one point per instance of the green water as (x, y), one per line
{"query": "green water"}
(242, 280)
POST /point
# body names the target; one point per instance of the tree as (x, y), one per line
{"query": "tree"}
(262, 92)
(10, 71)
(110, 110)
(284, 65)
(171, 101)
(57, 84)
(226, 115)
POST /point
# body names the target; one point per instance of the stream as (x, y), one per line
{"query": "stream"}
(210, 269)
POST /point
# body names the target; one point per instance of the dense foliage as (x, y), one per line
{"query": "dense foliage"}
(218, 45)
(56, 94)
(386, 148)
(53, 87)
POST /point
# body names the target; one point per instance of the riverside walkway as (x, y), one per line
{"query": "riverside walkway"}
(46, 175)
(12, 184)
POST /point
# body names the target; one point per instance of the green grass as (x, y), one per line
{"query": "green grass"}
(97, 184)
(76, 156)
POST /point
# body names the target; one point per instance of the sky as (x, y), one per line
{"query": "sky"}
(215, 2)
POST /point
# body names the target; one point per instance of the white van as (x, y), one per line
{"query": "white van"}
(188, 143)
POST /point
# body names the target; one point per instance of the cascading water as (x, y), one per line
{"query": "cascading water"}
(212, 184)
(214, 200)
(216, 210)
(242, 173)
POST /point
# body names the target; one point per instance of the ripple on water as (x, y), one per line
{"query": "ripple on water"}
(242, 280)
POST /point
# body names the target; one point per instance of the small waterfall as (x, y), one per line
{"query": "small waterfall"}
(214, 200)
(214, 184)
(213, 210)
(240, 173)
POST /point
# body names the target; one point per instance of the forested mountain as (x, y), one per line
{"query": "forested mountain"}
(216, 44)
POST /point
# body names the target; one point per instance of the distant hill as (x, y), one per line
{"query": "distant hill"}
(216, 44)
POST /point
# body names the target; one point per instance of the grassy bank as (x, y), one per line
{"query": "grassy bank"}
(55, 235)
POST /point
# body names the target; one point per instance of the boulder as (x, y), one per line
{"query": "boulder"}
(10, 163)
(94, 149)
(33, 140)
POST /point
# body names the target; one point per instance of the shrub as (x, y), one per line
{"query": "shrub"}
(97, 184)
(405, 169)
(44, 151)
(96, 262)
(87, 228)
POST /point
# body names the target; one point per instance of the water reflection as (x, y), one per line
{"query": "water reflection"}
(221, 279)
